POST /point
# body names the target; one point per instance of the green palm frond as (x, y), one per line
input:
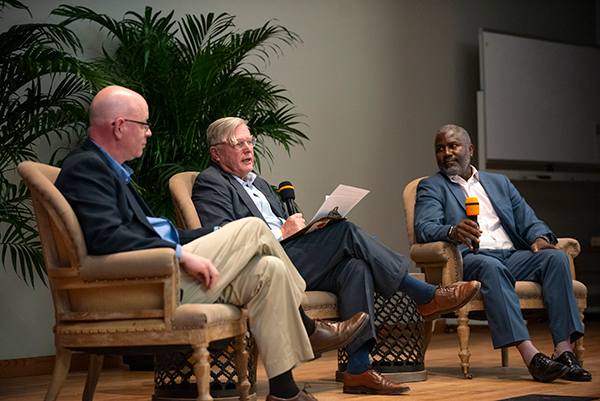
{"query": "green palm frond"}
(44, 96)
(192, 72)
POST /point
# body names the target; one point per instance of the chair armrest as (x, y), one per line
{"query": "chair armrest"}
(572, 248)
(440, 261)
(159, 262)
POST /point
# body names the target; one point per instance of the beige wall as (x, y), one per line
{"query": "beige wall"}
(375, 79)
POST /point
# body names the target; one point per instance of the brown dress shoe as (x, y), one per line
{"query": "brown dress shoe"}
(448, 299)
(333, 335)
(372, 382)
(303, 395)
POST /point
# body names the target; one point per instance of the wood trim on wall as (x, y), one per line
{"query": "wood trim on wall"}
(41, 365)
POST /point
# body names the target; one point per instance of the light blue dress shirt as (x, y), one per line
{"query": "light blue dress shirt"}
(264, 207)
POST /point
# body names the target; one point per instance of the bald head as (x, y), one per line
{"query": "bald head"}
(117, 122)
(113, 102)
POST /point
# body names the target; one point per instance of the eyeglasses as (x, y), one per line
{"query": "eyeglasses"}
(240, 143)
(145, 125)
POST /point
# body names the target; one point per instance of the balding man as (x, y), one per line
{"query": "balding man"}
(514, 246)
(241, 264)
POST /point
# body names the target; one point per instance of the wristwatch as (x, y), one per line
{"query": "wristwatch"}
(450, 231)
(545, 237)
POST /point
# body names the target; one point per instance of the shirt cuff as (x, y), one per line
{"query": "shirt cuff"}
(178, 249)
(277, 233)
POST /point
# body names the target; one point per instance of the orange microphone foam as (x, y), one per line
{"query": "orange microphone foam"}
(472, 206)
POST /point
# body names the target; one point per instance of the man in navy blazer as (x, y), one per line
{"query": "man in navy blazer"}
(341, 258)
(514, 245)
(241, 264)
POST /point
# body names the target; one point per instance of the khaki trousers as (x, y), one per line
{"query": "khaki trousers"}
(256, 273)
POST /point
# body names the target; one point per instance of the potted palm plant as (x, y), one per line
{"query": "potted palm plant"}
(192, 72)
(44, 97)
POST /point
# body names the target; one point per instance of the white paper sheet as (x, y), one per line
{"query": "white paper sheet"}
(344, 198)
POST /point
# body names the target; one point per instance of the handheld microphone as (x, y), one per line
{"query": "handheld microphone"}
(287, 194)
(472, 207)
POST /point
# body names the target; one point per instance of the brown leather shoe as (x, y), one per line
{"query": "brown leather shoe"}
(372, 382)
(448, 299)
(303, 395)
(333, 335)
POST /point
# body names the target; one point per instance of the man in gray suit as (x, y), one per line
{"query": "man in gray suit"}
(514, 246)
(341, 258)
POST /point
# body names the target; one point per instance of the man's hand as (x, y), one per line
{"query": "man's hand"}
(200, 268)
(292, 225)
(465, 232)
(541, 243)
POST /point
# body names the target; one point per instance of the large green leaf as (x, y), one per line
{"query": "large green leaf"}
(44, 96)
(192, 72)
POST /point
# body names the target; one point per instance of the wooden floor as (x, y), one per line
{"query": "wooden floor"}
(490, 382)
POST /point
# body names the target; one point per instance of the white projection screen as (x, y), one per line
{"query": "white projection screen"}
(541, 104)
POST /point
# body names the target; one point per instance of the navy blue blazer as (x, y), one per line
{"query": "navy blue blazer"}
(441, 203)
(111, 213)
(220, 199)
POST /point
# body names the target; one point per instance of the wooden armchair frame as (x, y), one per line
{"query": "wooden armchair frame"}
(316, 304)
(120, 303)
(443, 265)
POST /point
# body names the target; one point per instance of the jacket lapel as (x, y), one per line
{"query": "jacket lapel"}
(241, 192)
(510, 229)
(137, 204)
(456, 191)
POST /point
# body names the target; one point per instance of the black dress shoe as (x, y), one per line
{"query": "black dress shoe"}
(544, 369)
(575, 372)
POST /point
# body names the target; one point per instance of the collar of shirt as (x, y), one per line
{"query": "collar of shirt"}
(123, 170)
(262, 203)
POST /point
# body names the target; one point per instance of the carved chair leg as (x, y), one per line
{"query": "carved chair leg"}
(241, 367)
(202, 371)
(504, 351)
(463, 332)
(59, 376)
(427, 333)
(578, 350)
(92, 377)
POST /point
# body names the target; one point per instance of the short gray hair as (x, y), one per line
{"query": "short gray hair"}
(223, 130)
(464, 135)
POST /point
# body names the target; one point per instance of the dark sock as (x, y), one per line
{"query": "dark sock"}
(283, 386)
(421, 292)
(309, 324)
(358, 361)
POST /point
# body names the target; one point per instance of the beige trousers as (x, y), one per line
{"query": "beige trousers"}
(255, 272)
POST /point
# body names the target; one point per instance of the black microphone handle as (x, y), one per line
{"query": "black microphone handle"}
(291, 208)
(475, 244)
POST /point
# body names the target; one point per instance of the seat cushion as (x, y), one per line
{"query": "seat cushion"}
(201, 316)
(320, 305)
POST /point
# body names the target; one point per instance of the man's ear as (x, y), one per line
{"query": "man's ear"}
(471, 149)
(215, 154)
(118, 128)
